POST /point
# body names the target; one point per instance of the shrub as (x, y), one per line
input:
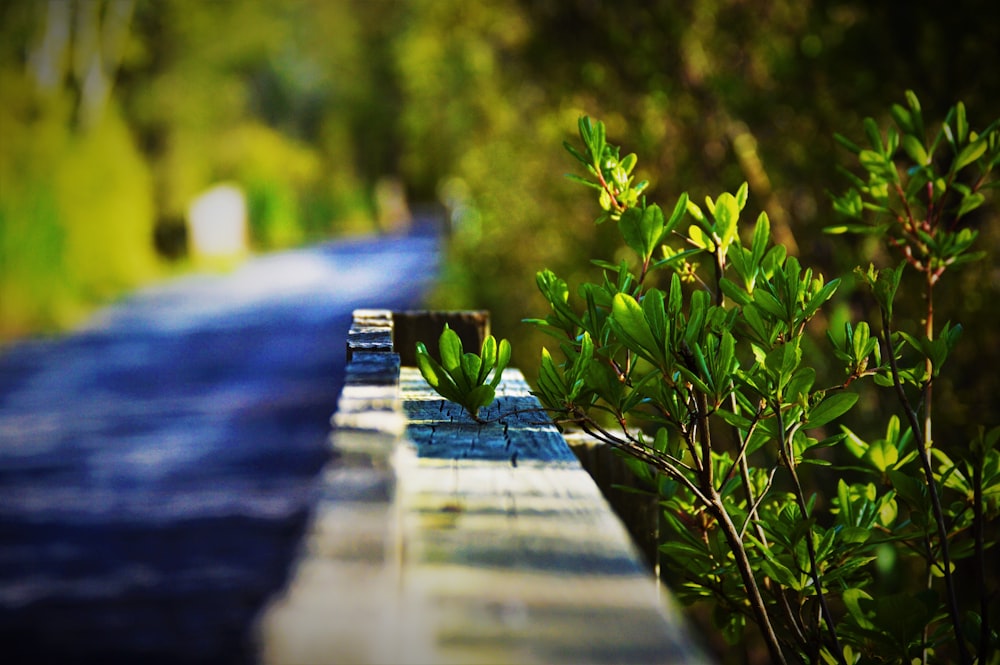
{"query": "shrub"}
(693, 360)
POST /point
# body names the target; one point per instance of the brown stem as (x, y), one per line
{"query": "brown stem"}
(925, 462)
(980, 554)
(757, 605)
(591, 427)
(732, 535)
(708, 497)
(720, 269)
(928, 439)
(609, 189)
(788, 453)
(705, 436)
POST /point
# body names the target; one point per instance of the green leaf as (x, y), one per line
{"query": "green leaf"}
(489, 358)
(480, 396)
(852, 601)
(693, 210)
(585, 127)
(782, 360)
(631, 226)
(741, 195)
(584, 357)
(675, 300)
(734, 419)
(821, 296)
(970, 203)
(886, 285)
(694, 379)
(761, 235)
(915, 114)
(848, 205)
(450, 349)
(697, 312)
(831, 408)
(847, 143)
(631, 321)
(915, 149)
(571, 149)
(969, 154)
(503, 358)
(892, 142)
(556, 292)
(655, 314)
(902, 118)
(727, 214)
(961, 124)
(739, 259)
(724, 362)
(783, 574)
(734, 292)
(642, 229)
(882, 455)
(436, 376)
(430, 370)
(628, 162)
(551, 387)
(652, 227)
(873, 161)
(700, 239)
(471, 364)
(678, 214)
(874, 137)
(676, 258)
(844, 501)
(800, 383)
(578, 179)
(769, 304)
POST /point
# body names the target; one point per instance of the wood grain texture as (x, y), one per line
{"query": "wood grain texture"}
(439, 540)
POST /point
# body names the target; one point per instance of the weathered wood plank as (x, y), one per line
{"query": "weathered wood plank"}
(440, 540)
(340, 600)
(510, 546)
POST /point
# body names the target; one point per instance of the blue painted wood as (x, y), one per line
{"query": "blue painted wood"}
(523, 434)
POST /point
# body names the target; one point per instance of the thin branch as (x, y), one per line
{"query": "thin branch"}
(978, 521)
(643, 454)
(756, 504)
(788, 453)
(925, 461)
(717, 508)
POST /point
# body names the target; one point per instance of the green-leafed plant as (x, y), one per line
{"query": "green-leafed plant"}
(693, 359)
(464, 378)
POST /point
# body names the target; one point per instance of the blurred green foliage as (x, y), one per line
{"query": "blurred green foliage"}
(708, 94)
(309, 104)
(116, 114)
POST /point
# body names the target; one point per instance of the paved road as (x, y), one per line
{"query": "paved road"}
(157, 467)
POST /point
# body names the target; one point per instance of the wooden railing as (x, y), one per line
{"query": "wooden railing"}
(439, 540)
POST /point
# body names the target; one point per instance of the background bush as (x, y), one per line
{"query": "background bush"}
(309, 104)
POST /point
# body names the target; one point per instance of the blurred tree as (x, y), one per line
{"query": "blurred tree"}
(76, 211)
(121, 111)
(309, 104)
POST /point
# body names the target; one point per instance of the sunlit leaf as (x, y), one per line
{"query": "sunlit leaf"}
(969, 154)
(915, 149)
(831, 408)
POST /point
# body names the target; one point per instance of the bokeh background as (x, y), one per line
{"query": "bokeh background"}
(328, 114)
